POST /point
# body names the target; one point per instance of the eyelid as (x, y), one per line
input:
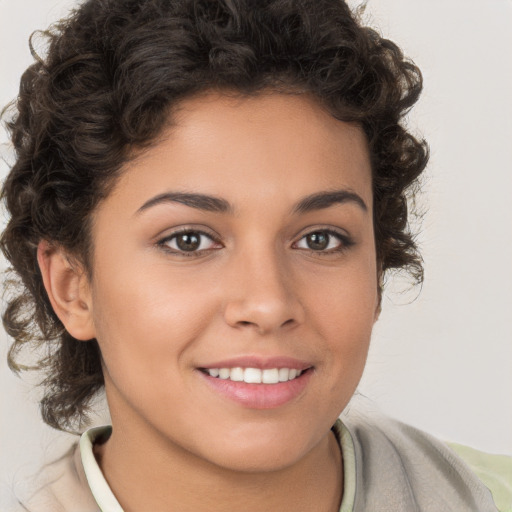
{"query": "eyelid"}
(345, 239)
(322, 227)
(162, 241)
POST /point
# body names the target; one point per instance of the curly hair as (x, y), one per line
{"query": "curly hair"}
(113, 72)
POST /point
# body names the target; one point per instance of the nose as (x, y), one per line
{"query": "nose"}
(263, 294)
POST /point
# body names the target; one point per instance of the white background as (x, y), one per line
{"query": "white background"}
(442, 362)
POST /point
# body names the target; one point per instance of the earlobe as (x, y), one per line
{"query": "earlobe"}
(68, 290)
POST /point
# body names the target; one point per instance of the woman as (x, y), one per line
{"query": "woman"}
(206, 199)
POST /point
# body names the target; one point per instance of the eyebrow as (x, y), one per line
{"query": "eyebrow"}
(198, 201)
(317, 201)
(322, 200)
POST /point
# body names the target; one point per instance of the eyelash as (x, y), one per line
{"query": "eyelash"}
(163, 243)
(345, 242)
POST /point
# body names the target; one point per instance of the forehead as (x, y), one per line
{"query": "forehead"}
(268, 147)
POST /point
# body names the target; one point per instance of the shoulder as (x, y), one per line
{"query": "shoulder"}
(495, 471)
(61, 486)
(411, 469)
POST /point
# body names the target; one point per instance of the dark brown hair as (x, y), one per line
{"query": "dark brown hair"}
(112, 74)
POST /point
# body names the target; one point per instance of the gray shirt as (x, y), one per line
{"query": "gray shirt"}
(388, 467)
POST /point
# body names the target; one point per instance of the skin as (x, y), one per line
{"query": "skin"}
(256, 288)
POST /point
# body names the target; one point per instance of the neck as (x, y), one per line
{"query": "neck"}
(146, 472)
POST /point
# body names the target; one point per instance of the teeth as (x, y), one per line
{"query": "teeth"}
(270, 376)
(237, 374)
(283, 374)
(255, 375)
(223, 373)
(252, 375)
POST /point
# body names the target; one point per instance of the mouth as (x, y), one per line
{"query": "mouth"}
(254, 375)
(263, 387)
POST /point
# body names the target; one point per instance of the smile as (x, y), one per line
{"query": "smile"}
(258, 388)
(254, 375)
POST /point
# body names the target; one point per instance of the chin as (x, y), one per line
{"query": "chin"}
(259, 453)
(256, 461)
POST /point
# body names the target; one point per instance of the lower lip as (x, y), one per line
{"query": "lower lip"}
(259, 396)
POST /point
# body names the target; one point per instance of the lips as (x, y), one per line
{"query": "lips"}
(258, 383)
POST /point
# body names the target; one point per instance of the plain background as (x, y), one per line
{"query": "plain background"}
(441, 357)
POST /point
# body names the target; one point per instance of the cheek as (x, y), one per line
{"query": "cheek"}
(342, 309)
(145, 315)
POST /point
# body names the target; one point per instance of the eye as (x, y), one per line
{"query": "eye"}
(324, 240)
(189, 241)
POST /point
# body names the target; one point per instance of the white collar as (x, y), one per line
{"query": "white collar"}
(97, 483)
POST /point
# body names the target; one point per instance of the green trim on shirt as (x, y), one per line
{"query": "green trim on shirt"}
(349, 466)
(495, 472)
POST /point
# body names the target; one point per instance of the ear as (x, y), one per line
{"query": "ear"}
(68, 289)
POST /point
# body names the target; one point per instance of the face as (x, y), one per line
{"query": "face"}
(234, 283)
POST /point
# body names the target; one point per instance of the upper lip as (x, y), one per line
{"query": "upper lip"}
(260, 362)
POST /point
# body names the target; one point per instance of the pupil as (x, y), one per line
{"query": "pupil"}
(318, 240)
(188, 242)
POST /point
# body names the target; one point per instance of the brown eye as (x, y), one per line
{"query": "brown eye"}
(318, 241)
(189, 242)
(324, 241)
